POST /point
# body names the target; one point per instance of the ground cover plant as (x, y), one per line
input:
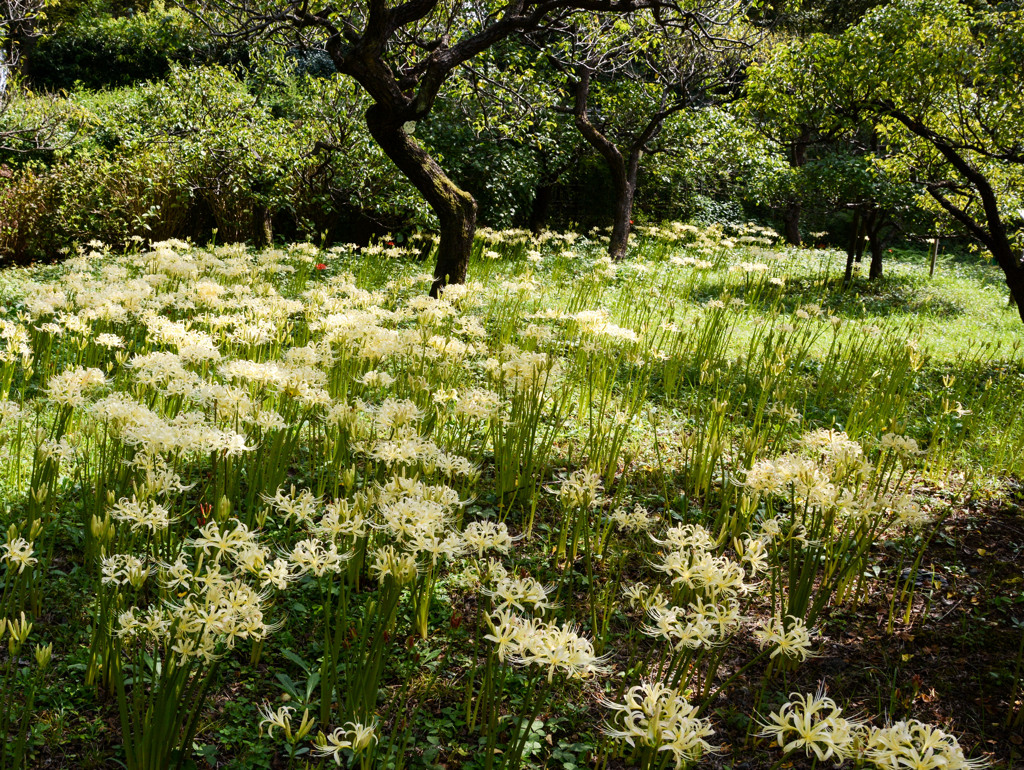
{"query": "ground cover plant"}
(281, 508)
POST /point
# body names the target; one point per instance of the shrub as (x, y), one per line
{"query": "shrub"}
(97, 51)
(204, 150)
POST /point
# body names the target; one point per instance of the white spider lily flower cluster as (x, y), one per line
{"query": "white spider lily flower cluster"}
(481, 536)
(690, 564)
(703, 624)
(142, 515)
(661, 718)
(582, 490)
(282, 720)
(301, 505)
(788, 637)
(520, 593)
(551, 646)
(524, 372)
(914, 744)
(635, 520)
(815, 724)
(18, 553)
(354, 736)
(641, 596)
(70, 387)
(124, 569)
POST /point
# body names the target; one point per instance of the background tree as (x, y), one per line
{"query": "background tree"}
(500, 136)
(952, 111)
(628, 75)
(402, 54)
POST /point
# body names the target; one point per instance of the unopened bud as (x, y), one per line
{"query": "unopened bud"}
(19, 633)
(348, 478)
(223, 509)
(43, 655)
(99, 527)
(305, 726)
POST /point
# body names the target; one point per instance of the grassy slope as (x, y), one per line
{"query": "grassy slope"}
(950, 659)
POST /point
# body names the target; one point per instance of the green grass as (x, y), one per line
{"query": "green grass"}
(554, 394)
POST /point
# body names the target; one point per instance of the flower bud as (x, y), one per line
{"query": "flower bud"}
(304, 726)
(223, 509)
(102, 529)
(19, 633)
(43, 655)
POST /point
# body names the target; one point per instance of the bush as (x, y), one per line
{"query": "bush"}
(98, 51)
(203, 150)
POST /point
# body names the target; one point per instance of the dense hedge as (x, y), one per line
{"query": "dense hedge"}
(114, 51)
(202, 151)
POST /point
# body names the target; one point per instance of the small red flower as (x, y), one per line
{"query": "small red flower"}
(321, 266)
(205, 509)
(391, 243)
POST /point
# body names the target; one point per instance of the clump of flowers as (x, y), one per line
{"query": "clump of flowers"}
(787, 637)
(354, 737)
(815, 724)
(659, 719)
(548, 646)
(914, 744)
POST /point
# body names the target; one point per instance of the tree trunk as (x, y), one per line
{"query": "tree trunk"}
(623, 171)
(262, 226)
(993, 233)
(454, 207)
(880, 230)
(877, 249)
(862, 234)
(851, 249)
(624, 176)
(792, 213)
(540, 212)
(1005, 257)
(623, 223)
(791, 224)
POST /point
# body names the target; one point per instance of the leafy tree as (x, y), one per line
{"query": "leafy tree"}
(778, 101)
(267, 154)
(19, 22)
(854, 176)
(94, 48)
(499, 136)
(942, 84)
(836, 161)
(628, 75)
(403, 54)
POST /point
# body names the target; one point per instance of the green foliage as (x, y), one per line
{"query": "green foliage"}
(205, 150)
(916, 94)
(98, 50)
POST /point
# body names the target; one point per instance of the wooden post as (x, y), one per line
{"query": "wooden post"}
(935, 254)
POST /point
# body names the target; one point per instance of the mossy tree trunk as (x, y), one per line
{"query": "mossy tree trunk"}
(454, 207)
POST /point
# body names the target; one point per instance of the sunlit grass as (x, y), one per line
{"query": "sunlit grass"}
(568, 476)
